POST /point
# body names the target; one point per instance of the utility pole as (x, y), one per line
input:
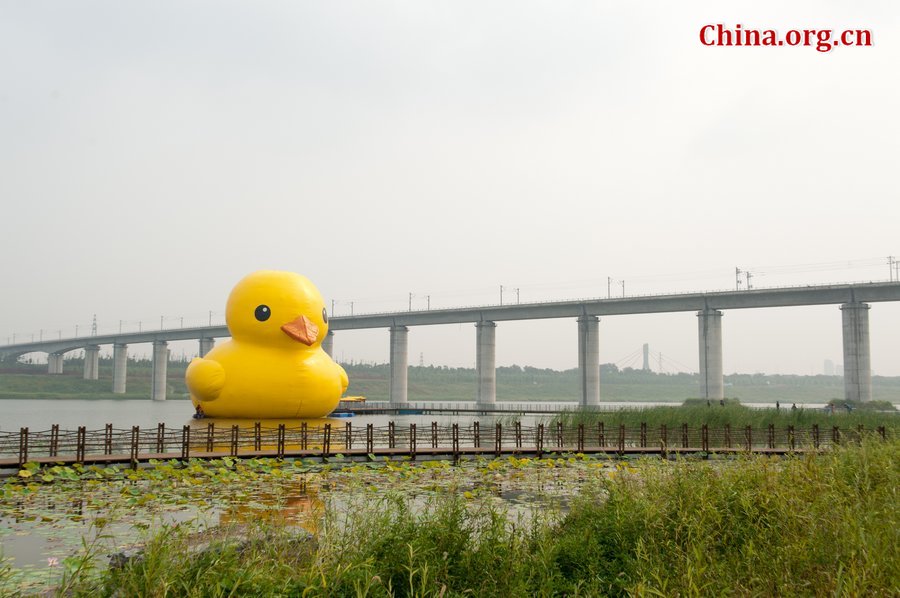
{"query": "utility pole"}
(94, 326)
(76, 330)
(623, 287)
(351, 308)
(428, 302)
(749, 276)
(410, 301)
(737, 278)
(501, 294)
(332, 307)
(160, 322)
(891, 263)
(517, 295)
(210, 318)
(609, 287)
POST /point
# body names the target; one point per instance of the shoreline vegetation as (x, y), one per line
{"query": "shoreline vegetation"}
(752, 525)
(514, 383)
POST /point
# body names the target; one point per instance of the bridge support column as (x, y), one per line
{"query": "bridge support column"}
(399, 363)
(92, 362)
(712, 381)
(328, 344)
(857, 361)
(55, 363)
(120, 363)
(485, 363)
(206, 345)
(158, 376)
(589, 360)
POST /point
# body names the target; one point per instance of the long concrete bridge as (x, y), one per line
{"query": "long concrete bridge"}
(853, 299)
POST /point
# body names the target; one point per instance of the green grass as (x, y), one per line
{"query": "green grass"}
(813, 525)
(737, 416)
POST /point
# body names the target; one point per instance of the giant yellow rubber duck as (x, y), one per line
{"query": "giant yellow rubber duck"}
(274, 365)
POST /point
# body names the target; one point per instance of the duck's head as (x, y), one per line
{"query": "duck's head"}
(273, 308)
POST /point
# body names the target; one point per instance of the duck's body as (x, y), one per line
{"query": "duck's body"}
(274, 366)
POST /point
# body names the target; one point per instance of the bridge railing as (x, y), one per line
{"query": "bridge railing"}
(310, 440)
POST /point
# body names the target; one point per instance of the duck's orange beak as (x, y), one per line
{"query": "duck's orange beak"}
(302, 329)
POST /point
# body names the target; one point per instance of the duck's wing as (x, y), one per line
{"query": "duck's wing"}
(345, 381)
(205, 378)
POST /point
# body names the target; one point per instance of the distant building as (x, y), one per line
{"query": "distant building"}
(829, 367)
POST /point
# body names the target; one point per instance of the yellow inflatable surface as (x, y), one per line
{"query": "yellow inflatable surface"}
(274, 365)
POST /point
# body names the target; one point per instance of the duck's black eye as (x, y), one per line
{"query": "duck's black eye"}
(262, 313)
(324, 315)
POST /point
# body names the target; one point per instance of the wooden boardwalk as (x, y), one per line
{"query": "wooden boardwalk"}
(320, 442)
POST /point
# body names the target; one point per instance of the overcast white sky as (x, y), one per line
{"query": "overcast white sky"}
(153, 153)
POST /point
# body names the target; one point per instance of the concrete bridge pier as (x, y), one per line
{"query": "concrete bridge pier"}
(399, 364)
(92, 362)
(206, 345)
(55, 363)
(328, 344)
(712, 381)
(158, 375)
(120, 363)
(589, 360)
(485, 363)
(857, 361)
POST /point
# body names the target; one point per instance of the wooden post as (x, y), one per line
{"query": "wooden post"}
(370, 438)
(54, 439)
(771, 433)
(107, 439)
(728, 436)
(434, 434)
(540, 440)
(748, 435)
(664, 434)
(601, 436)
(835, 435)
(580, 438)
(304, 436)
(135, 444)
(559, 435)
(455, 443)
(185, 443)
(348, 436)
(79, 446)
(704, 438)
(815, 435)
(210, 436)
(643, 434)
(391, 438)
(412, 441)
(621, 439)
(280, 446)
(160, 437)
(257, 436)
(790, 432)
(684, 436)
(518, 434)
(235, 430)
(498, 438)
(23, 446)
(477, 434)
(882, 432)
(326, 441)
